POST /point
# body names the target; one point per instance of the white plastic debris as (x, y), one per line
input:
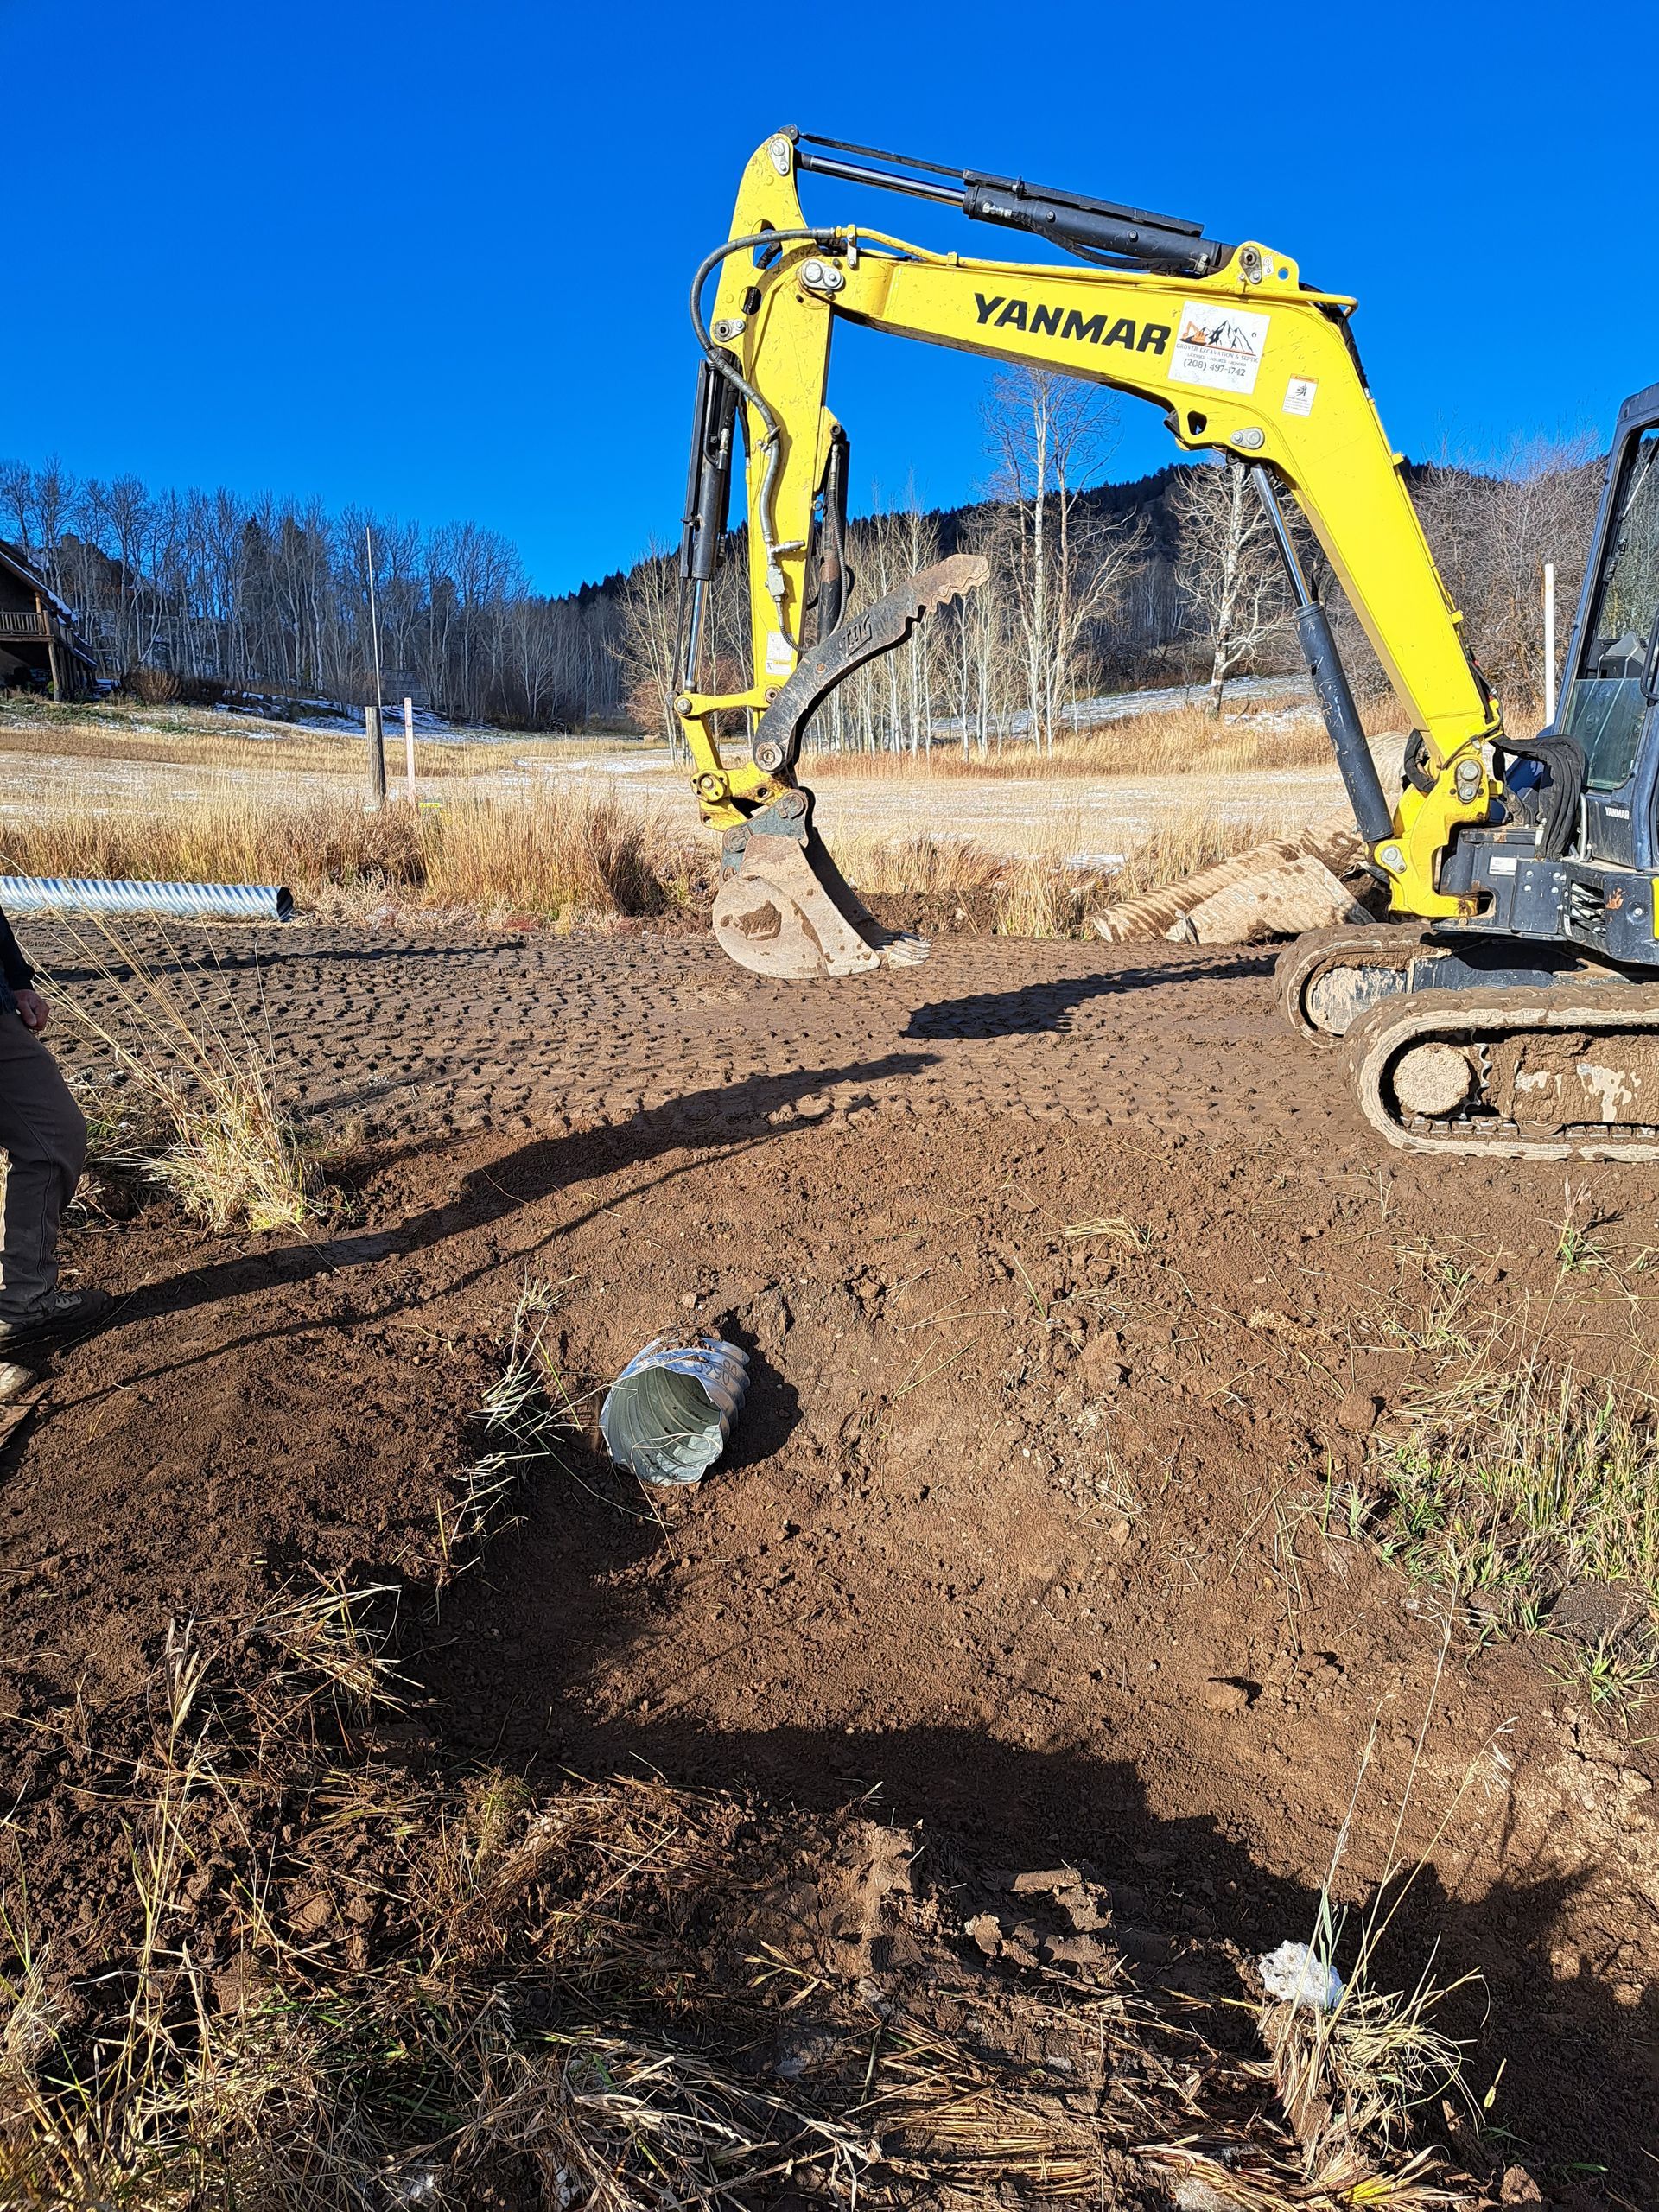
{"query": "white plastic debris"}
(420, 2186)
(14, 1379)
(1195, 2195)
(1293, 1974)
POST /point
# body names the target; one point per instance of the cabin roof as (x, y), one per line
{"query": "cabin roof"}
(14, 565)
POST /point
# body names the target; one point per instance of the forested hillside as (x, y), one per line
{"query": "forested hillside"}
(213, 589)
(1094, 585)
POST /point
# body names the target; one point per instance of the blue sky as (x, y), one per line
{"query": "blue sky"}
(432, 259)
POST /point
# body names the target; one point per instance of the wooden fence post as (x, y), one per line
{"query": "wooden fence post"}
(409, 746)
(376, 798)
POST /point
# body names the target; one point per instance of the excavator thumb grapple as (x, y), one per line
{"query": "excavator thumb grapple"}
(784, 908)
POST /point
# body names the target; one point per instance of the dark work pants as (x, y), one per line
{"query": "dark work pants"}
(43, 1135)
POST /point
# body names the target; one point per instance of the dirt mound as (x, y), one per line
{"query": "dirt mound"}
(974, 910)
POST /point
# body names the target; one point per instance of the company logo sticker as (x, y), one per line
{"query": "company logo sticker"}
(1219, 345)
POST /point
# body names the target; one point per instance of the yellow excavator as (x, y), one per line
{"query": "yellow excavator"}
(1513, 1007)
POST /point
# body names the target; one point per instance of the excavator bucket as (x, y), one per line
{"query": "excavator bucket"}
(784, 908)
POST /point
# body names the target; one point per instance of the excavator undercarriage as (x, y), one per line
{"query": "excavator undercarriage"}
(1513, 1010)
(1559, 1073)
(1491, 1048)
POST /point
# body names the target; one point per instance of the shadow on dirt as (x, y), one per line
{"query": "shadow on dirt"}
(738, 1117)
(772, 1411)
(1039, 1007)
(516, 1680)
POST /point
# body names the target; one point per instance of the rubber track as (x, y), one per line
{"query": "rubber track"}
(1466, 1017)
(1300, 966)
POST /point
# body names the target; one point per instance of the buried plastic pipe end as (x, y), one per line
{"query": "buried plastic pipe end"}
(669, 1412)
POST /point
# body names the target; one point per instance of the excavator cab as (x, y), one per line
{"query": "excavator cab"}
(1530, 1027)
(1570, 858)
(1610, 707)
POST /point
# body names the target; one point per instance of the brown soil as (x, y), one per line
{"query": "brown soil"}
(1021, 1531)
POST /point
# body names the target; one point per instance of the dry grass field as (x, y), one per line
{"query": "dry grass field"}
(202, 737)
(573, 831)
(1171, 740)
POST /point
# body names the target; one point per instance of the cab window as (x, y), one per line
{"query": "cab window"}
(1604, 705)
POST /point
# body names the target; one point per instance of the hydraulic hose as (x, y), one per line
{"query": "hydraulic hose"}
(724, 365)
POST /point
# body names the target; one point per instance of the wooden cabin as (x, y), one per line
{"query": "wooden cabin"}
(40, 648)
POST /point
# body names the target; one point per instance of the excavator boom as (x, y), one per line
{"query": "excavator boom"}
(1241, 354)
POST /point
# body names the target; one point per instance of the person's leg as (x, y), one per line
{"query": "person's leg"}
(43, 1135)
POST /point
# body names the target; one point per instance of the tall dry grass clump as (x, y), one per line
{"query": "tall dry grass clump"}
(1039, 898)
(919, 865)
(570, 855)
(233, 835)
(236, 1156)
(574, 856)
(1195, 838)
(205, 1080)
(1033, 895)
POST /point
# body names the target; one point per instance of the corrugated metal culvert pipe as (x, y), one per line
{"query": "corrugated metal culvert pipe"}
(83, 894)
(669, 1412)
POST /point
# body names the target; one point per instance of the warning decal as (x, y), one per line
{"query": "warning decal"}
(1299, 396)
(1218, 344)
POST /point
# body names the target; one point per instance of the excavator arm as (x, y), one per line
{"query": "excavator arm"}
(1241, 355)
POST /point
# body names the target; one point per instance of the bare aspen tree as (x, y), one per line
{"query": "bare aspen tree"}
(1229, 567)
(1051, 435)
(1493, 529)
(978, 659)
(646, 644)
(54, 502)
(919, 545)
(17, 505)
(888, 704)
